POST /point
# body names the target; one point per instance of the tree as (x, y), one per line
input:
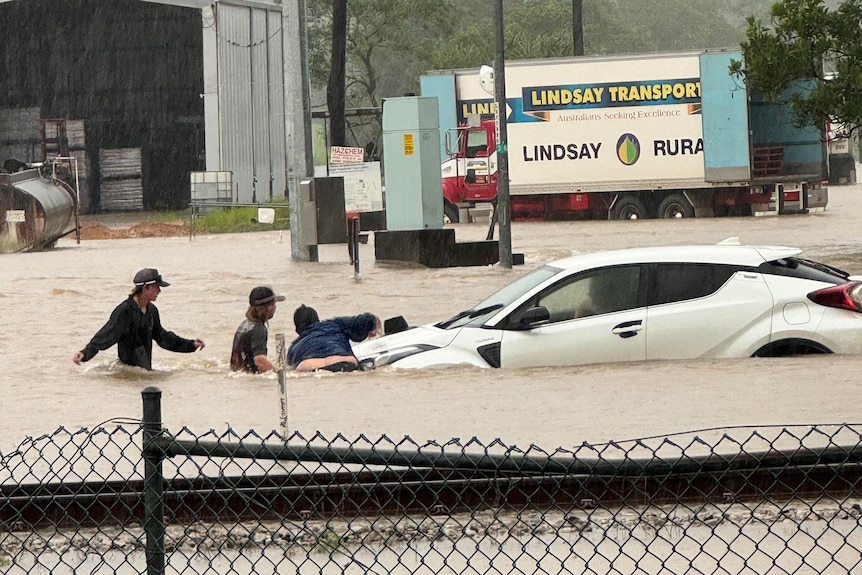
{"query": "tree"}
(384, 39)
(385, 42)
(391, 43)
(808, 43)
(532, 30)
(543, 29)
(578, 26)
(619, 26)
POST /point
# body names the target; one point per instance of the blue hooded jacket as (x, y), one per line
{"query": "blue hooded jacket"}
(330, 337)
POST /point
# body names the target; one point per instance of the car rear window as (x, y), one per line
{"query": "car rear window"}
(806, 269)
(672, 282)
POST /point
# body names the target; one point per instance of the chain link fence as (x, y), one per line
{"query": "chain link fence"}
(132, 497)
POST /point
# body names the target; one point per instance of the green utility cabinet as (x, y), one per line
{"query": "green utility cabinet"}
(411, 144)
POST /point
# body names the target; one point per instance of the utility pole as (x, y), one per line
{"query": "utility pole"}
(335, 87)
(300, 159)
(503, 207)
(578, 26)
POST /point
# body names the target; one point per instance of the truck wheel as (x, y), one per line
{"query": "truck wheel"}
(675, 206)
(450, 213)
(629, 208)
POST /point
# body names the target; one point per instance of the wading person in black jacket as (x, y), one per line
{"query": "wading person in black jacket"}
(135, 324)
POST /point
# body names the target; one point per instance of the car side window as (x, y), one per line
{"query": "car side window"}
(684, 281)
(595, 292)
(807, 269)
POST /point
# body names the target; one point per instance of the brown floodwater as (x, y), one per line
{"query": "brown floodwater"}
(52, 302)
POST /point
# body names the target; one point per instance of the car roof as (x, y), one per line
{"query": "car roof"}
(715, 254)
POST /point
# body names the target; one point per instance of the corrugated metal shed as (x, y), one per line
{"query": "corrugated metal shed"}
(249, 84)
(187, 3)
(243, 43)
(195, 84)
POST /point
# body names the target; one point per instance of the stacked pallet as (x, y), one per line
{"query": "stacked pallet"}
(75, 143)
(19, 134)
(75, 135)
(85, 189)
(121, 187)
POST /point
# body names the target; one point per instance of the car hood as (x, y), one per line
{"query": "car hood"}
(426, 334)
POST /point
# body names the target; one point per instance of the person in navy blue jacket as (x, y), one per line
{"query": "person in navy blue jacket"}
(326, 344)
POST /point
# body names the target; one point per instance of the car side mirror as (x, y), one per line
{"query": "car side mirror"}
(395, 324)
(534, 316)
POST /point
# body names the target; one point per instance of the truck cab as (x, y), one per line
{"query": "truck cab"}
(470, 173)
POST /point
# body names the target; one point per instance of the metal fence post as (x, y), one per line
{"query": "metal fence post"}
(353, 229)
(154, 512)
(282, 383)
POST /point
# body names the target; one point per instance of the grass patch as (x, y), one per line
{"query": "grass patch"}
(328, 541)
(244, 219)
(167, 217)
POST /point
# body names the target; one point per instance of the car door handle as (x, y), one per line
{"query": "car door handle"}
(628, 328)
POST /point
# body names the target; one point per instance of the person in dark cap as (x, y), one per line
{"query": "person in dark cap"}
(135, 324)
(249, 342)
(326, 344)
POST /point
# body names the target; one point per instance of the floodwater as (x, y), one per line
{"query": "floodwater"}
(52, 302)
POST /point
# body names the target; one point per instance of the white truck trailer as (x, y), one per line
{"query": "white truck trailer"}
(663, 135)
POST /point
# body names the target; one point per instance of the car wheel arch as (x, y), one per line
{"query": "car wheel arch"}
(791, 346)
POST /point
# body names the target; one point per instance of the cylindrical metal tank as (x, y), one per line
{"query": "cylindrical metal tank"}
(34, 211)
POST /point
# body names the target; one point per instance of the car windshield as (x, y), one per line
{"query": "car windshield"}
(478, 314)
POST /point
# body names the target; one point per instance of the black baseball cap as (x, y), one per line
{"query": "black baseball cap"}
(263, 295)
(149, 276)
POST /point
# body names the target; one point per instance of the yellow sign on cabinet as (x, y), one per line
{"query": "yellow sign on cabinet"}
(408, 144)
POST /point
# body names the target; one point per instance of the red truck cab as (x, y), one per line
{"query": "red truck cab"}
(470, 173)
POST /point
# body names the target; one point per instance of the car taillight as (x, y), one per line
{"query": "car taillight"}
(844, 296)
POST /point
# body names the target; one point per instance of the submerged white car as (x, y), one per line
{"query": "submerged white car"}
(679, 302)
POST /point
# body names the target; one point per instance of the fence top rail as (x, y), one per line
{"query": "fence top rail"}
(509, 461)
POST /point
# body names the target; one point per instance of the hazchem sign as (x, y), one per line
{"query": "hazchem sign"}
(339, 155)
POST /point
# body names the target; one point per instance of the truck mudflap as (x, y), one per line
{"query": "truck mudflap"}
(818, 197)
(789, 198)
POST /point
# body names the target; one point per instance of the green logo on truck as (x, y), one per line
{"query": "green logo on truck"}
(628, 149)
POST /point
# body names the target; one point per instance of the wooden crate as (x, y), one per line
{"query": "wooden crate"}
(75, 135)
(121, 195)
(120, 163)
